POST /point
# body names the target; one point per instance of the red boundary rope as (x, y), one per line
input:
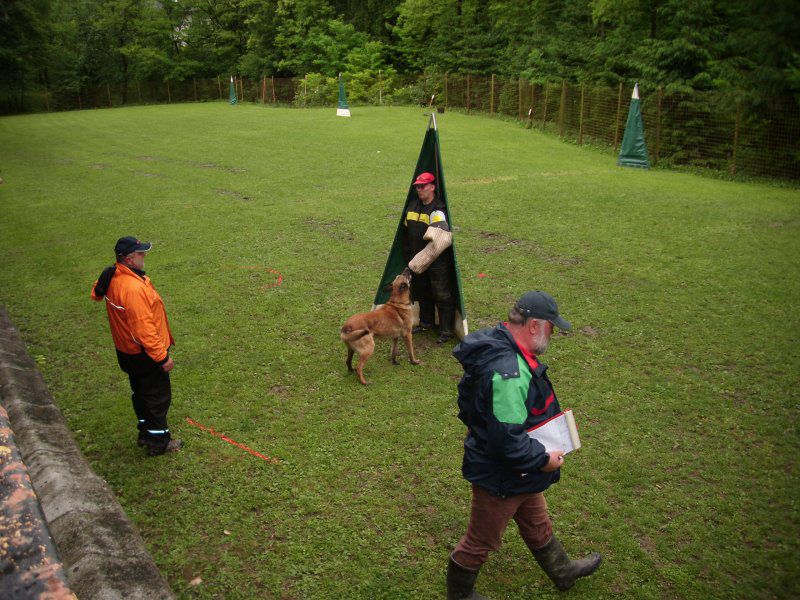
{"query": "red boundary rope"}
(273, 271)
(269, 459)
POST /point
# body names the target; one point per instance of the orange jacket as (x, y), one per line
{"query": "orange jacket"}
(136, 315)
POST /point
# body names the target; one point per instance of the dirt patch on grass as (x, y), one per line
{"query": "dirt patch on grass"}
(647, 544)
(482, 322)
(211, 165)
(589, 331)
(99, 166)
(490, 180)
(561, 174)
(501, 243)
(233, 194)
(332, 229)
(281, 391)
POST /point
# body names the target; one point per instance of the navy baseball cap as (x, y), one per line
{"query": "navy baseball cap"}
(541, 305)
(129, 244)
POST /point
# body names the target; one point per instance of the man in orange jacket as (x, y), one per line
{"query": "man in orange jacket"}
(142, 338)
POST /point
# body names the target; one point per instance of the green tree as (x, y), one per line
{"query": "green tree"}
(24, 32)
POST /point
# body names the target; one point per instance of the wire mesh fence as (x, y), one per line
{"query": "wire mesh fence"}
(716, 131)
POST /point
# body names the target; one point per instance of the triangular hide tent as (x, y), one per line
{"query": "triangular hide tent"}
(633, 152)
(430, 161)
(232, 92)
(342, 110)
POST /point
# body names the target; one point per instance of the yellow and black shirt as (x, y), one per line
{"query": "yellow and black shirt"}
(417, 219)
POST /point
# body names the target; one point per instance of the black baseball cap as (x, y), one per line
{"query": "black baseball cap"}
(128, 244)
(541, 305)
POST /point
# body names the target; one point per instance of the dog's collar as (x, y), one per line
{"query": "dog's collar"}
(400, 303)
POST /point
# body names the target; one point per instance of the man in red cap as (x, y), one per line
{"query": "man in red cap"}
(426, 248)
(142, 337)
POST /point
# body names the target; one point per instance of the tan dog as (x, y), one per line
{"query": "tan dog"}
(392, 320)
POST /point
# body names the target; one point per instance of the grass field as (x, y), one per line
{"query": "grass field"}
(682, 367)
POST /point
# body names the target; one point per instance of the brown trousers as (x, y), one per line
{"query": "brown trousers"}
(489, 519)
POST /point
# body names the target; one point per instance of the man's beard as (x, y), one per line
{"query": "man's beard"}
(540, 342)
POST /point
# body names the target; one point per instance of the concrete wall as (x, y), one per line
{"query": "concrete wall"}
(103, 555)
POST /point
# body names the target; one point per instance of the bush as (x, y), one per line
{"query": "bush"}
(316, 90)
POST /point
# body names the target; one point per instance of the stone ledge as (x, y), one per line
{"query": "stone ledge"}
(103, 555)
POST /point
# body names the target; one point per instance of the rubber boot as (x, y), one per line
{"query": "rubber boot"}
(447, 317)
(427, 316)
(461, 583)
(563, 571)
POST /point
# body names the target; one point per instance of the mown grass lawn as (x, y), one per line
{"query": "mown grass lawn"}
(682, 367)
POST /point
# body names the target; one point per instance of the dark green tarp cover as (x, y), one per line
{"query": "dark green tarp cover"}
(634, 151)
(430, 161)
(342, 95)
(232, 92)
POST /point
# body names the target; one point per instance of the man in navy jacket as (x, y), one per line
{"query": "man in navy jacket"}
(503, 394)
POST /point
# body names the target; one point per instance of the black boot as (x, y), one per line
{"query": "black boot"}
(563, 571)
(461, 583)
(447, 317)
(427, 316)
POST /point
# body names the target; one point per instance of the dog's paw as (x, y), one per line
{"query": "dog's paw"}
(416, 362)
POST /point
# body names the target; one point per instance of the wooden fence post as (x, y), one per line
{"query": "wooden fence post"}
(736, 138)
(658, 123)
(580, 124)
(519, 98)
(108, 89)
(263, 88)
(445, 90)
(616, 127)
(467, 92)
(562, 109)
(533, 99)
(491, 100)
(139, 91)
(169, 93)
(544, 113)
(274, 99)
(194, 83)
(219, 85)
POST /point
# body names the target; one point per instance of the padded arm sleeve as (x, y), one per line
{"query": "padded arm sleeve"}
(439, 240)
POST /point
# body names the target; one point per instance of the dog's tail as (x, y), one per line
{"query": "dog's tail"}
(349, 334)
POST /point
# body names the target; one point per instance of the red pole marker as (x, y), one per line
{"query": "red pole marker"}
(269, 459)
(273, 271)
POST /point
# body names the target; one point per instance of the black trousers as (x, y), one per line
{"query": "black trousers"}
(151, 396)
(434, 289)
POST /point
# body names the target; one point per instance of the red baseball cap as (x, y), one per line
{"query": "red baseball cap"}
(424, 179)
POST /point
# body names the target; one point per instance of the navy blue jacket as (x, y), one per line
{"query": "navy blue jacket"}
(500, 397)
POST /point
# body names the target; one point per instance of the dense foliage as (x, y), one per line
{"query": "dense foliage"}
(682, 44)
